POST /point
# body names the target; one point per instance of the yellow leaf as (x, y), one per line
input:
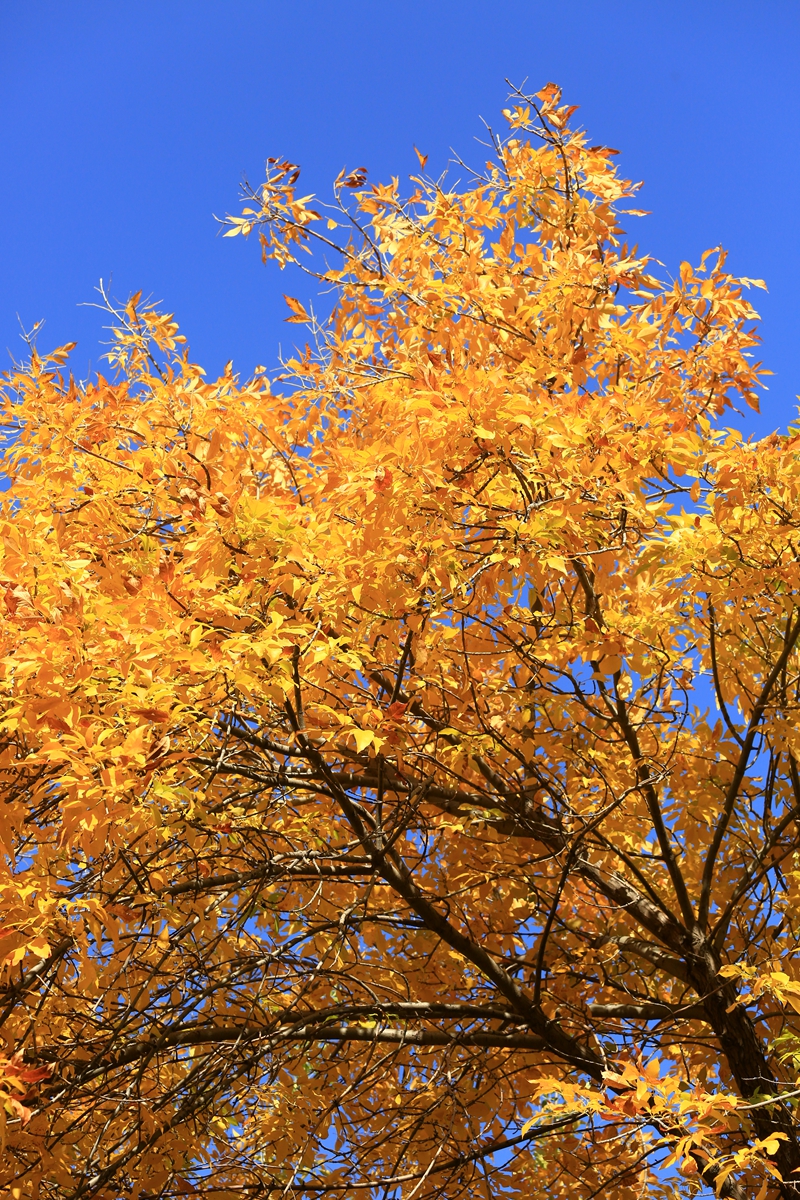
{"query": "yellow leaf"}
(299, 314)
(363, 738)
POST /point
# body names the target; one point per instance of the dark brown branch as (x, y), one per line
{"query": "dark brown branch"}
(650, 1012)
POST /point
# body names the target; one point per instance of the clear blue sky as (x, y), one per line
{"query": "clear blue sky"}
(126, 125)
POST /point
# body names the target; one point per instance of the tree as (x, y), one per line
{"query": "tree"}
(401, 785)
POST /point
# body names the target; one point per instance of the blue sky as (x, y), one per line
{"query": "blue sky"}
(126, 126)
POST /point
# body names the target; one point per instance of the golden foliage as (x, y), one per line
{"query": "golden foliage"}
(400, 767)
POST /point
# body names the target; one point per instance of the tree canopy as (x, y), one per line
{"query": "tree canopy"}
(400, 749)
